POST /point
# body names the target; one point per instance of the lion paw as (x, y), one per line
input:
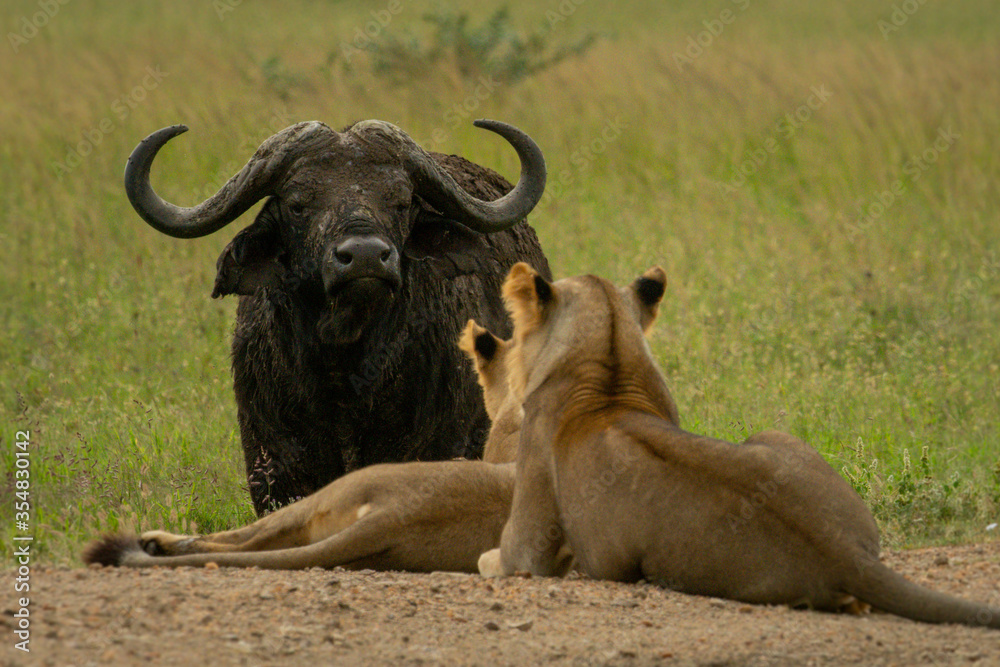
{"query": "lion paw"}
(161, 543)
(489, 564)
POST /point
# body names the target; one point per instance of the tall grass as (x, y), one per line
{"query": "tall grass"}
(874, 337)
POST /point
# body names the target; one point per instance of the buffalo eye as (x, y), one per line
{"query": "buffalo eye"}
(402, 206)
(296, 209)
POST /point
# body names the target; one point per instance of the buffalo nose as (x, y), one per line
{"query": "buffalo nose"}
(362, 252)
(359, 257)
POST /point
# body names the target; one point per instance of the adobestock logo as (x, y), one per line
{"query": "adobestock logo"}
(29, 27)
(364, 35)
(698, 43)
(121, 108)
(914, 168)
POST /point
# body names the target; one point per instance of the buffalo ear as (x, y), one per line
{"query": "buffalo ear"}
(449, 248)
(250, 262)
(649, 289)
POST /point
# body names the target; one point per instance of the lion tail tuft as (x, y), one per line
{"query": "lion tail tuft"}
(111, 550)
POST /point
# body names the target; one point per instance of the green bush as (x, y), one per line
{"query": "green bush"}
(493, 47)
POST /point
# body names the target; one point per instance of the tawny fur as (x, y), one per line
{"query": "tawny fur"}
(489, 356)
(603, 466)
(421, 516)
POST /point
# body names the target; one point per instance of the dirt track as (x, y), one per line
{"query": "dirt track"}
(250, 617)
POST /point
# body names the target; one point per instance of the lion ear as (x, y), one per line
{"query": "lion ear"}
(486, 346)
(478, 344)
(467, 339)
(526, 294)
(649, 289)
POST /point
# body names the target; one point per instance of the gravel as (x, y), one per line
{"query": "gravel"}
(108, 616)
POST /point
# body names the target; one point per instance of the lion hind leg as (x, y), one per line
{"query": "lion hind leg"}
(366, 541)
(162, 543)
(285, 528)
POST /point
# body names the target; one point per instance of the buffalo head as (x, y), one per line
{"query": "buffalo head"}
(345, 209)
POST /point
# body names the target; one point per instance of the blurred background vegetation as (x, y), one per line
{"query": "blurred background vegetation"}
(820, 181)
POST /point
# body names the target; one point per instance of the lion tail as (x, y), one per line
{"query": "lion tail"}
(890, 591)
(112, 550)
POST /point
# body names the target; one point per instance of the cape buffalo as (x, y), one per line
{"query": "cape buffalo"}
(354, 281)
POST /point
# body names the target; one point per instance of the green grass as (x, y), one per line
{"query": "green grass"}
(875, 339)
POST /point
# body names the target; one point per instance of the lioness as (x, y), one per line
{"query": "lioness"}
(603, 464)
(489, 357)
(421, 516)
